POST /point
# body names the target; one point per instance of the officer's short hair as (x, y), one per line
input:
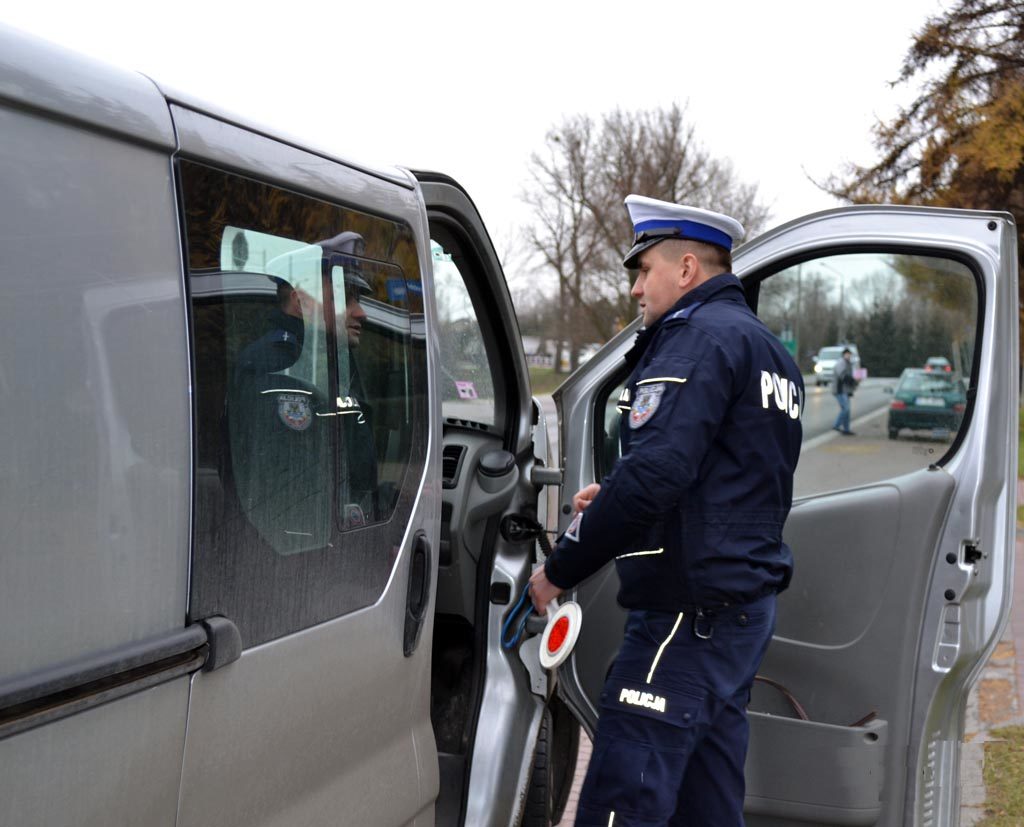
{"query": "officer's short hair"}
(712, 257)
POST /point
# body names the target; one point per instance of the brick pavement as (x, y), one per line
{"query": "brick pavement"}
(997, 698)
(582, 760)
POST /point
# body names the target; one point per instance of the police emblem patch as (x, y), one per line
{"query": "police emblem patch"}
(573, 531)
(294, 410)
(648, 397)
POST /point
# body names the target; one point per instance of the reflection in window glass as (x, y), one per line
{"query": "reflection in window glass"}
(372, 330)
(609, 447)
(310, 402)
(467, 386)
(902, 317)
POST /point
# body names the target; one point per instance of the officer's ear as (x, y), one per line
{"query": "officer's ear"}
(689, 269)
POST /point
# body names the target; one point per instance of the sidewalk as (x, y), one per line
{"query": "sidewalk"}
(997, 698)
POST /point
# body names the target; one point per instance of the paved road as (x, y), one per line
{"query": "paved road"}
(820, 407)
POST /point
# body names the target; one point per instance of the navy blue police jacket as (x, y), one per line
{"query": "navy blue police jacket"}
(693, 511)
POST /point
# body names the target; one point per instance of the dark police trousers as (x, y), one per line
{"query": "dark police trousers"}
(672, 737)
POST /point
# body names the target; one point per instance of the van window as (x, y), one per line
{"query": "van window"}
(467, 384)
(896, 312)
(311, 413)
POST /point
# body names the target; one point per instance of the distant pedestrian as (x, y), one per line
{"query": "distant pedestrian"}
(843, 386)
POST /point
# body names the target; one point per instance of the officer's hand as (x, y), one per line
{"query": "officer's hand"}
(585, 496)
(542, 590)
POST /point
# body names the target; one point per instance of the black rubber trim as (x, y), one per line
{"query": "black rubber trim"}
(36, 698)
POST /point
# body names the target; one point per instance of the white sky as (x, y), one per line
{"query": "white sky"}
(785, 89)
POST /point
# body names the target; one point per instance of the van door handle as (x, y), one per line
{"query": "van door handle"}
(419, 593)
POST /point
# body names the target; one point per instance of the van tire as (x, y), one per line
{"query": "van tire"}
(540, 803)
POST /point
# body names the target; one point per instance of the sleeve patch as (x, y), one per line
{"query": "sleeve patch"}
(645, 405)
(573, 531)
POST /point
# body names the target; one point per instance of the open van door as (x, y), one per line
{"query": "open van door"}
(500, 744)
(903, 542)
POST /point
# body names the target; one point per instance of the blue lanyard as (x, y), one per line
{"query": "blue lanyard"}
(522, 603)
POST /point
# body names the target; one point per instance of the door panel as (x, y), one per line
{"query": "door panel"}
(315, 448)
(890, 611)
(323, 727)
(116, 764)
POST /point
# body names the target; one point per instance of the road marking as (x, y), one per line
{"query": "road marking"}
(829, 435)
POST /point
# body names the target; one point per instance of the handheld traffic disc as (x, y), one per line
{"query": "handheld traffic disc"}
(560, 634)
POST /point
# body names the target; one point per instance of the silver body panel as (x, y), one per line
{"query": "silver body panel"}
(95, 481)
(39, 76)
(187, 100)
(52, 776)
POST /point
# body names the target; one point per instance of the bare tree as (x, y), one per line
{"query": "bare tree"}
(581, 230)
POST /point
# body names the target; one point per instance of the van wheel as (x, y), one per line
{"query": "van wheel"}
(540, 802)
(893, 433)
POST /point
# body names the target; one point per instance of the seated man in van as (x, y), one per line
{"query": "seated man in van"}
(279, 348)
(361, 498)
(358, 478)
(279, 442)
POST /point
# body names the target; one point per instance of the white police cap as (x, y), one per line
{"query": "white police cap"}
(350, 245)
(655, 221)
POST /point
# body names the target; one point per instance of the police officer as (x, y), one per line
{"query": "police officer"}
(358, 477)
(359, 461)
(279, 445)
(281, 345)
(692, 514)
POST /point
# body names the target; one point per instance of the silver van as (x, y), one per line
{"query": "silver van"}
(271, 472)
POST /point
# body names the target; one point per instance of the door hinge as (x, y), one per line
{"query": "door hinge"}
(541, 476)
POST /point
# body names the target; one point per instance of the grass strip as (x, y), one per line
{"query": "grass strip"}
(1004, 778)
(545, 380)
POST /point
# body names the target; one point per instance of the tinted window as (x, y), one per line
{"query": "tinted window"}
(310, 401)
